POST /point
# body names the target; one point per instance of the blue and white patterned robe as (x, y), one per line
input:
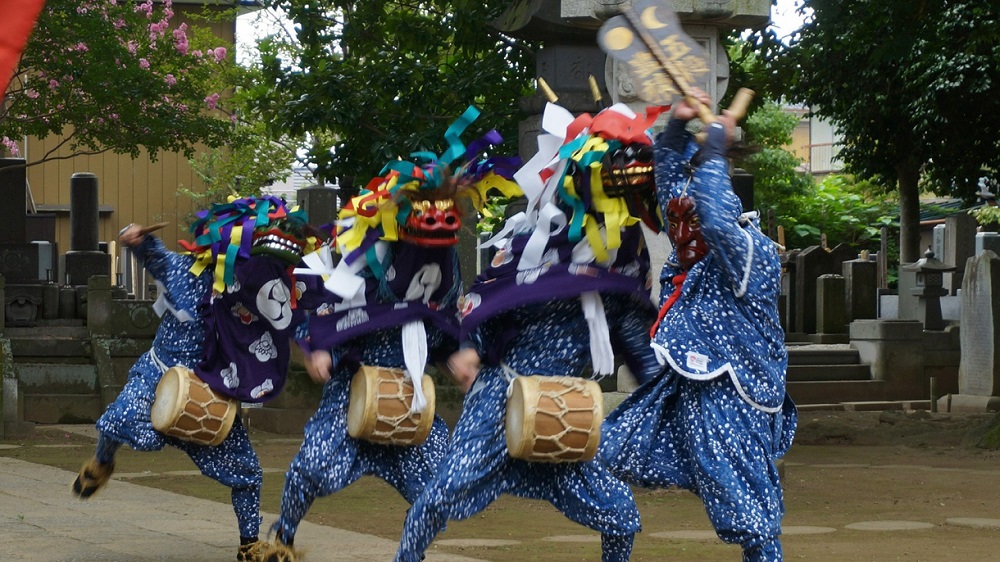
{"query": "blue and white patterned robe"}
(718, 417)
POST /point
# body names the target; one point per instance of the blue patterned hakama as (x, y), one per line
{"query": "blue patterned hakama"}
(370, 332)
(552, 340)
(330, 459)
(233, 462)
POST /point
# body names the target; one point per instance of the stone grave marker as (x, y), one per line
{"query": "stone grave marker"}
(979, 370)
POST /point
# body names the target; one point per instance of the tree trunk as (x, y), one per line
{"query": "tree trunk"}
(908, 174)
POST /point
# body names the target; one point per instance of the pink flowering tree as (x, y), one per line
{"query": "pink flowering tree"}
(120, 76)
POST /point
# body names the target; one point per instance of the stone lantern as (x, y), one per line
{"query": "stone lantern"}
(928, 287)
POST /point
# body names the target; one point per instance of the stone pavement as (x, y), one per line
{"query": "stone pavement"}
(41, 520)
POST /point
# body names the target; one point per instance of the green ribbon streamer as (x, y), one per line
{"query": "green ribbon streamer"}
(453, 135)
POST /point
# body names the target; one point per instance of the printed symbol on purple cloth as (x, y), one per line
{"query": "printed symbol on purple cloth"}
(354, 317)
(631, 269)
(232, 289)
(274, 301)
(503, 256)
(264, 388)
(468, 303)
(324, 310)
(583, 269)
(243, 313)
(425, 281)
(263, 348)
(230, 376)
(529, 276)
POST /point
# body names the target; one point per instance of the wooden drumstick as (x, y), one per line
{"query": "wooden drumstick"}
(152, 228)
(595, 91)
(738, 109)
(741, 101)
(549, 94)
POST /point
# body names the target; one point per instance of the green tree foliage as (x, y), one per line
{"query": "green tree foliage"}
(910, 84)
(778, 178)
(846, 211)
(256, 156)
(111, 75)
(371, 81)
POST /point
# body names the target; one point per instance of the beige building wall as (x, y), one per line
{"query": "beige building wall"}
(129, 191)
(800, 138)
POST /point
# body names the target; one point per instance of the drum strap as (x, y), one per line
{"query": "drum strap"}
(415, 358)
(156, 360)
(510, 375)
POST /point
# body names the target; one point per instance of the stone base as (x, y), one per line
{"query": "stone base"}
(13, 429)
(613, 399)
(829, 338)
(81, 266)
(797, 337)
(968, 404)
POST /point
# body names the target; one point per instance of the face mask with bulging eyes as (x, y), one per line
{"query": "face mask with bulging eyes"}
(684, 230)
(628, 169)
(432, 224)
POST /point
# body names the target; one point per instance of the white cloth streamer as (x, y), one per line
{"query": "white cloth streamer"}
(415, 358)
(342, 280)
(601, 353)
(511, 227)
(551, 220)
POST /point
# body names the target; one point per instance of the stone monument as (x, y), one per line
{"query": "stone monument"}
(979, 369)
(570, 55)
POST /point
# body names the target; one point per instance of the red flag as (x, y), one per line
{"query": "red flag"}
(18, 19)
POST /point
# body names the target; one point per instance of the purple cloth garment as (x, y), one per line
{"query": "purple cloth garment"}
(248, 332)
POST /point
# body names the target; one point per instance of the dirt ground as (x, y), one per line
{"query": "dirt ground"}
(847, 470)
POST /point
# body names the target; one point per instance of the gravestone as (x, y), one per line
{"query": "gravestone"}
(786, 309)
(860, 289)
(987, 241)
(937, 239)
(810, 264)
(28, 265)
(979, 370)
(13, 186)
(831, 322)
(84, 258)
(319, 203)
(959, 246)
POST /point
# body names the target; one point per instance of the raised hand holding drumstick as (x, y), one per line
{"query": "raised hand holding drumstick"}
(133, 234)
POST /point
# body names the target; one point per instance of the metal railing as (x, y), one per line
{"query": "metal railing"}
(822, 158)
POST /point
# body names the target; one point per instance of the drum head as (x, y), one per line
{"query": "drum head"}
(169, 401)
(521, 429)
(360, 417)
